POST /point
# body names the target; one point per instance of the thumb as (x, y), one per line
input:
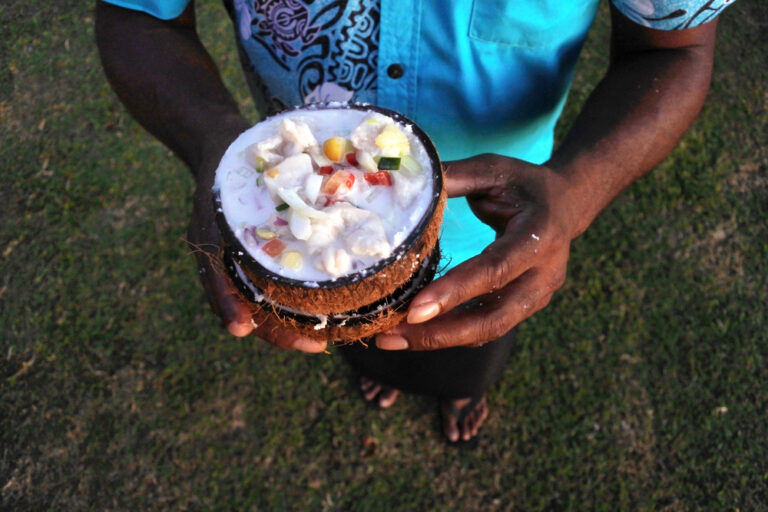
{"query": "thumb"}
(479, 173)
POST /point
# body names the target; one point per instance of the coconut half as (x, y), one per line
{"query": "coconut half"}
(330, 215)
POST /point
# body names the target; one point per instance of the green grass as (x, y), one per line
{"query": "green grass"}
(642, 386)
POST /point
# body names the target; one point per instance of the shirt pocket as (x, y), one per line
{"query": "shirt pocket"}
(527, 23)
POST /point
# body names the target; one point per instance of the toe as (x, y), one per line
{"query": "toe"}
(387, 397)
(466, 427)
(365, 384)
(450, 426)
(372, 392)
(476, 419)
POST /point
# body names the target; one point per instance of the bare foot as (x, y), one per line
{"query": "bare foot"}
(373, 390)
(463, 418)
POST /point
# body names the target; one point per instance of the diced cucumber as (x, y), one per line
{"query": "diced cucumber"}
(389, 163)
(410, 165)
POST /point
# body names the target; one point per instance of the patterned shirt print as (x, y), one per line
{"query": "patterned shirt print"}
(302, 51)
(671, 14)
(305, 51)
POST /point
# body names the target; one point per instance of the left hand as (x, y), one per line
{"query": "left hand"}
(203, 234)
(535, 220)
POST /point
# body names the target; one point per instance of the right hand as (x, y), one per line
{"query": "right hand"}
(225, 300)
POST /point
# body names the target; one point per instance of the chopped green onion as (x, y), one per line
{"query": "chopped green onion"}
(282, 207)
(259, 182)
(389, 163)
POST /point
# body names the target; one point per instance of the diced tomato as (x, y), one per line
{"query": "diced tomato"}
(273, 247)
(325, 170)
(352, 159)
(339, 182)
(379, 178)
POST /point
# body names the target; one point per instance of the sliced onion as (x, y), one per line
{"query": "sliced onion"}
(293, 200)
(312, 187)
(317, 155)
(366, 161)
(301, 226)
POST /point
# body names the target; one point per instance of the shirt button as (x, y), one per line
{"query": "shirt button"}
(395, 71)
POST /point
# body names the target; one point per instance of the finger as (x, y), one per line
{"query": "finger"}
(499, 264)
(268, 328)
(223, 297)
(235, 312)
(486, 319)
(482, 172)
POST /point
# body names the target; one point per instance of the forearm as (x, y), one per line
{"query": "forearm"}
(632, 120)
(165, 77)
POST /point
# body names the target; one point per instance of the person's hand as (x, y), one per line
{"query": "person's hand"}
(225, 300)
(481, 299)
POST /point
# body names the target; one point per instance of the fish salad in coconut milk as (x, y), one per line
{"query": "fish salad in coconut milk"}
(314, 195)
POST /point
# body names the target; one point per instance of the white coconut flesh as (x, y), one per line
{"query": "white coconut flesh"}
(314, 212)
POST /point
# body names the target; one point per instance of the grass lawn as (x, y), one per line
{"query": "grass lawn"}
(643, 386)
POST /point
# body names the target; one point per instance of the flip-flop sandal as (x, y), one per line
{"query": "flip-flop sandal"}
(458, 414)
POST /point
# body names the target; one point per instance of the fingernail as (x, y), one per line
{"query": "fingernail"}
(423, 312)
(391, 342)
(239, 329)
(306, 345)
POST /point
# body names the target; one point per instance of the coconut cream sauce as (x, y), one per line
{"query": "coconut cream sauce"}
(249, 203)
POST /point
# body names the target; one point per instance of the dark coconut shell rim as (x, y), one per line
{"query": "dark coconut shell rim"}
(244, 257)
(396, 301)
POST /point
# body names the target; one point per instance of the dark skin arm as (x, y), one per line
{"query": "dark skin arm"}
(654, 88)
(169, 83)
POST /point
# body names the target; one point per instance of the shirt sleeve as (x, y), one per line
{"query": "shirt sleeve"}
(671, 14)
(163, 9)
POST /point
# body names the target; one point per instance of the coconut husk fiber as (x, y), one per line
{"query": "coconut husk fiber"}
(352, 325)
(346, 333)
(356, 323)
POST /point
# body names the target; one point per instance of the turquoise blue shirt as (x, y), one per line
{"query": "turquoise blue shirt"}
(478, 76)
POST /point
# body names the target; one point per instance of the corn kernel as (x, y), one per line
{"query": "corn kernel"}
(260, 164)
(273, 172)
(335, 148)
(266, 234)
(291, 259)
